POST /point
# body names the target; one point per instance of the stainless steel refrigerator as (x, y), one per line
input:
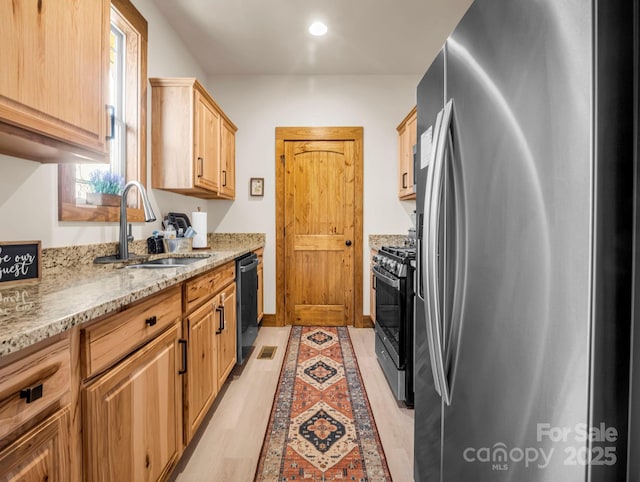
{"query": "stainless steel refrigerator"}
(526, 169)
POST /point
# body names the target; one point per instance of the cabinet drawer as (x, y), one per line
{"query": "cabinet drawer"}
(224, 275)
(197, 290)
(113, 338)
(33, 384)
(201, 288)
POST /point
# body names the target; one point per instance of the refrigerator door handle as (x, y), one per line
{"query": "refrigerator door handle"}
(456, 262)
(432, 252)
(423, 248)
(430, 341)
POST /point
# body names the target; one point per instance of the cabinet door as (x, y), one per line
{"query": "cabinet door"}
(227, 162)
(55, 71)
(226, 333)
(372, 292)
(132, 415)
(403, 147)
(207, 138)
(201, 381)
(41, 454)
(412, 134)
(407, 135)
(260, 292)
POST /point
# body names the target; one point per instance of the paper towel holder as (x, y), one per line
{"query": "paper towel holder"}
(199, 223)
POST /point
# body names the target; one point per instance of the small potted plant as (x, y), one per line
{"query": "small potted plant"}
(106, 188)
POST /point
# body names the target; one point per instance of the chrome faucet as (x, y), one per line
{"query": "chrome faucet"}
(149, 216)
(124, 236)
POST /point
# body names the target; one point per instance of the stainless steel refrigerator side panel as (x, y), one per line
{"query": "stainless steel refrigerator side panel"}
(633, 459)
(613, 230)
(427, 403)
(520, 76)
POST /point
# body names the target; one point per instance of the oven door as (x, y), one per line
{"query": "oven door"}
(389, 314)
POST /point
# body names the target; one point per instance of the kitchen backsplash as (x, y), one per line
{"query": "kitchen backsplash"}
(55, 260)
(377, 240)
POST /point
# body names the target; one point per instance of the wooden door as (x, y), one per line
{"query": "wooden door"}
(132, 415)
(260, 291)
(407, 138)
(55, 57)
(227, 161)
(41, 454)
(319, 232)
(201, 381)
(207, 138)
(372, 289)
(226, 329)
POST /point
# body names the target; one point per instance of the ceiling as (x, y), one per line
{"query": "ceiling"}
(366, 37)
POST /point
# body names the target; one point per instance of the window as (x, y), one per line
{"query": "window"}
(127, 99)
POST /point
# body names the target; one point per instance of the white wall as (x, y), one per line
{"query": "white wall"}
(256, 104)
(259, 104)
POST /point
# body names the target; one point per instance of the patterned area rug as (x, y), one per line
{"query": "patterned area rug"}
(321, 426)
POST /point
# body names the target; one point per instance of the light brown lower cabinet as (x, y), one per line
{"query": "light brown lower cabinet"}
(372, 292)
(143, 379)
(201, 379)
(260, 253)
(34, 415)
(210, 335)
(226, 332)
(132, 415)
(41, 454)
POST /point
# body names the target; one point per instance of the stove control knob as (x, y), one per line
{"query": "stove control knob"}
(392, 266)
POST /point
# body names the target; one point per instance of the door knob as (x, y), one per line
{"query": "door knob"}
(348, 242)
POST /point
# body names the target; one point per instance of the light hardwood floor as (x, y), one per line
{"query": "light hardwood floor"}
(227, 446)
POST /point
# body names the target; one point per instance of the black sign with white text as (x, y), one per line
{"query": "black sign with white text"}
(20, 262)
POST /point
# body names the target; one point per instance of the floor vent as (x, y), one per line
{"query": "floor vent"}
(267, 352)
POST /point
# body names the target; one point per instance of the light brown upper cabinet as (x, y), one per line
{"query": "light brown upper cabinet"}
(407, 139)
(128, 143)
(54, 85)
(193, 141)
(227, 187)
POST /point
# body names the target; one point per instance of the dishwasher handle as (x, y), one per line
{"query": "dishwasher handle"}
(250, 266)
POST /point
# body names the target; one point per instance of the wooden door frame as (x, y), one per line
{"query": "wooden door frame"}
(356, 135)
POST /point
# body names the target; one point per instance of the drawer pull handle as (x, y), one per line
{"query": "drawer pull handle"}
(32, 393)
(183, 370)
(151, 321)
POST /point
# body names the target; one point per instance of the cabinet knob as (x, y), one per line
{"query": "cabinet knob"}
(348, 242)
(151, 321)
(32, 393)
(201, 166)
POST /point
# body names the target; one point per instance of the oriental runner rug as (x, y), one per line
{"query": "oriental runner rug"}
(321, 426)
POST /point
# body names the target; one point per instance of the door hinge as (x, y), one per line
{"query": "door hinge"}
(282, 158)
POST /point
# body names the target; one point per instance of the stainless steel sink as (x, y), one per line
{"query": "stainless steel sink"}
(165, 263)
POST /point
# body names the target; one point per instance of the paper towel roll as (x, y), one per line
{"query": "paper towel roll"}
(199, 224)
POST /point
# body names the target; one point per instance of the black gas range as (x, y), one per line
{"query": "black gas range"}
(393, 268)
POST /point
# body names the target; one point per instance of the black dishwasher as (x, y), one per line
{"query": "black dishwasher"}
(247, 303)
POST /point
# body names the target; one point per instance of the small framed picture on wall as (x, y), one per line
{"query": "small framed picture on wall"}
(257, 186)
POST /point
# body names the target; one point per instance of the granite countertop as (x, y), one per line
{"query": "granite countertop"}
(378, 240)
(73, 290)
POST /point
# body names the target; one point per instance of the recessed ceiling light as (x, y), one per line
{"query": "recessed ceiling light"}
(318, 29)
